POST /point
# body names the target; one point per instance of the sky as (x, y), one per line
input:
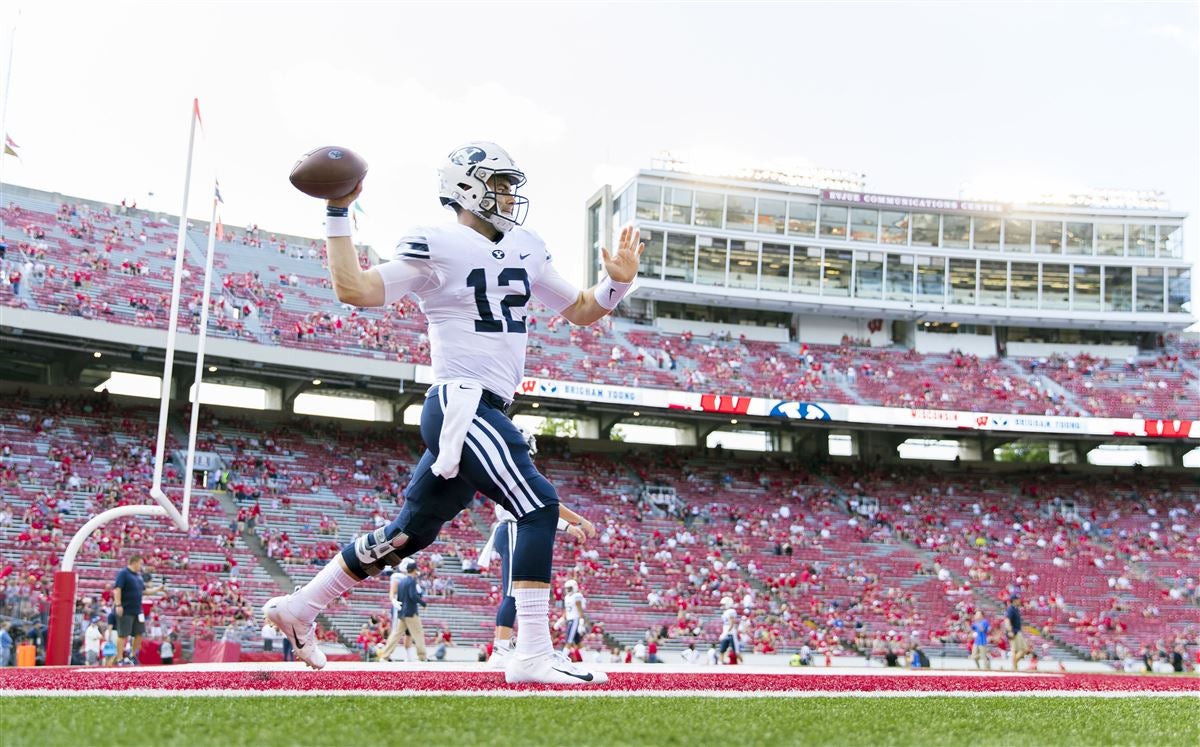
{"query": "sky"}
(920, 97)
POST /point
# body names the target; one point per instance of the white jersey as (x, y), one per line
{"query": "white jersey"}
(91, 640)
(572, 611)
(474, 293)
(728, 622)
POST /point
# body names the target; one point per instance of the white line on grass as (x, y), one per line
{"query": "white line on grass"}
(585, 693)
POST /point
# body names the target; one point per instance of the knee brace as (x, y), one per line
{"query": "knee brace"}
(533, 556)
(367, 554)
(370, 553)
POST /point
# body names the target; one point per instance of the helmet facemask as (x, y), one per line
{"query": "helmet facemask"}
(500, 205)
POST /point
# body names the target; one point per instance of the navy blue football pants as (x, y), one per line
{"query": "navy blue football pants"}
(496, 463)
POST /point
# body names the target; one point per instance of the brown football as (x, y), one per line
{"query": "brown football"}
(328, 172)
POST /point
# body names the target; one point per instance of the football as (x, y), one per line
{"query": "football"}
(328, 172)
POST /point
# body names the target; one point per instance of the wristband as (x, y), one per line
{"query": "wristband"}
(609, 292)
(563, 524)
(334, 211)
(337, 226)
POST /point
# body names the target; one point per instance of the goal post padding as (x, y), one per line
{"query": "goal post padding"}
(60, 636)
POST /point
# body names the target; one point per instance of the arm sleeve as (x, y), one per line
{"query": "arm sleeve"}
(402, 276)
(553, 289)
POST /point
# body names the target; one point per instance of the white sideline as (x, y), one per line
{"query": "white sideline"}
(701, 671)
(589, 693)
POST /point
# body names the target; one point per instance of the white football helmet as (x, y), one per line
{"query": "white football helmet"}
(464, 182)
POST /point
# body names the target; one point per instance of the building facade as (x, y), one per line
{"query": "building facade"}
(788, 249)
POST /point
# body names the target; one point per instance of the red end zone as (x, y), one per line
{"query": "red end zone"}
(66, 681)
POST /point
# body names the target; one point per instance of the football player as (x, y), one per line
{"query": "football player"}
(473, 278)
(574, 603)
(729, 630)
(501, 544)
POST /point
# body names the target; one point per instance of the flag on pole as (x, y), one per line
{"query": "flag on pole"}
(10, 147)
(196, 112)
(358, 208)
(218, 200)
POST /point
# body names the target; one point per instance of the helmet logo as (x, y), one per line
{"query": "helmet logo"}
(498, 253)
(468, 155)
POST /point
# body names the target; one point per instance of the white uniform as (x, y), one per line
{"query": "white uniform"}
(572, 604)
(728, 622)
(91, 644)
(474, 293)
(729, 625)
(572, 610)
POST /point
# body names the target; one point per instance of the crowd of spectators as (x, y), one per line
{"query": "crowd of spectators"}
(63, 461)
(834, 558)
(115, 263)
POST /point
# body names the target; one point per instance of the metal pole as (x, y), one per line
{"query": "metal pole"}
(156, 490)
(195, 422)
(12, 43)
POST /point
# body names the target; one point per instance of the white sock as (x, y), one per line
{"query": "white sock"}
(326, 586)
(533, 618)
(503, 645)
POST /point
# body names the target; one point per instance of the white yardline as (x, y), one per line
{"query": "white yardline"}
(234, 693)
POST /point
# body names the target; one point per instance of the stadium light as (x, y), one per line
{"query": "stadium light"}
(1014, 191)
(97, 354)
(729, 167)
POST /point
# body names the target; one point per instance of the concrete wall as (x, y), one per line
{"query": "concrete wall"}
(981, 345)
(704, 329)
(1046, 349)
(829, 330)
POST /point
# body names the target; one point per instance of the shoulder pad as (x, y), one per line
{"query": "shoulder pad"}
(413, 245)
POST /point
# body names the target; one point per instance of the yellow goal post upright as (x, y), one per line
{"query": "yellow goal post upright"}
(62, 603)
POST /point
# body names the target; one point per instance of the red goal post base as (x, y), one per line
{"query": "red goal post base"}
(60, 635)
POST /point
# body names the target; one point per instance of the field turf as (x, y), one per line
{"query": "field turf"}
(459, 720)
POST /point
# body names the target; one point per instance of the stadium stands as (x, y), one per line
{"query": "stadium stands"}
(66, 460)
(833, 555)
(116, 264)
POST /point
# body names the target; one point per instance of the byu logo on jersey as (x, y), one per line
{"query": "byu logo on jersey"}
(468, 155)
(498, 253)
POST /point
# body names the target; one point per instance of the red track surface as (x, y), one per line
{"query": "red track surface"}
(66, 680)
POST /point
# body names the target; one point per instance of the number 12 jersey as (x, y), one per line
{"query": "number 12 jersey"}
(474, 293)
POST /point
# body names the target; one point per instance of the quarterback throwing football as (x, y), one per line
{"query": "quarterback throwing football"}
(473, 278)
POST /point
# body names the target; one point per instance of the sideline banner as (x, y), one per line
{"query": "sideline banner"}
(738, 404)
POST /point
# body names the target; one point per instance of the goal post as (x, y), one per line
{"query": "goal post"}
(60, 634)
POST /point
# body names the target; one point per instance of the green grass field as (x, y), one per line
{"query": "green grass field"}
(435, 720)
